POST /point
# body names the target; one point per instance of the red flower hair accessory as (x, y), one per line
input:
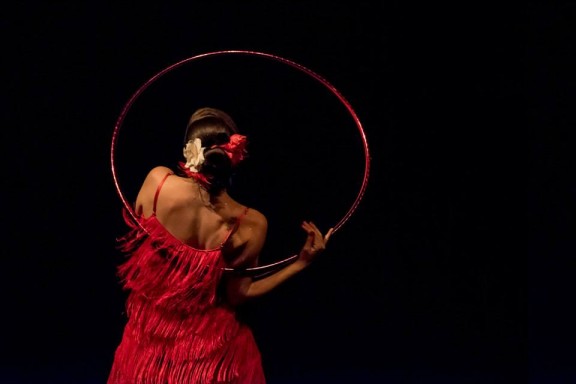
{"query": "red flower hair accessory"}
(235, 148)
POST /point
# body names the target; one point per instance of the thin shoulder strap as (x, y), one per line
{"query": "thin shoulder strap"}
(158, 191)
(235, 227)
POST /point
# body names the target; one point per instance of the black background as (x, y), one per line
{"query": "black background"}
(467, 214)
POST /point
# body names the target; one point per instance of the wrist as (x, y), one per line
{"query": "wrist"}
(301, 263)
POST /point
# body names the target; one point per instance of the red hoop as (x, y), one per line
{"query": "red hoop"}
(269, 268)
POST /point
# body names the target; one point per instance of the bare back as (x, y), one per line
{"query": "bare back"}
(192, 216)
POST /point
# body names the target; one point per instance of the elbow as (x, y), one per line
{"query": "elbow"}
(237, 297)
(236, 300)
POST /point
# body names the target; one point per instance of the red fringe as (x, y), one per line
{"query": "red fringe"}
(177, 330)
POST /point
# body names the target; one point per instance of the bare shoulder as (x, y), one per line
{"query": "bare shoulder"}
(148, 189)
(253, 228)
(249, 239)
(256, 219)
(154, 177)
(157, 173)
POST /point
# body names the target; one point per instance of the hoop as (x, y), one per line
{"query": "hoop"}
(263, 270)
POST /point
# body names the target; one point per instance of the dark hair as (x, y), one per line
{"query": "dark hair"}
(206, 122)
(213, 127)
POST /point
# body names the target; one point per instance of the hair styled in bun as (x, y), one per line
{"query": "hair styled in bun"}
(214, 129)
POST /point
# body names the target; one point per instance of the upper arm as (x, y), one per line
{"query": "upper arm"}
(254, 228)
(237, 286)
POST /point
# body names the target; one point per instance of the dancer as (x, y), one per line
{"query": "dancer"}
(182, 298)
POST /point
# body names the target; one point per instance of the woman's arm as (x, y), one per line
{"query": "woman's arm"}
(314, 245)
(242, 288)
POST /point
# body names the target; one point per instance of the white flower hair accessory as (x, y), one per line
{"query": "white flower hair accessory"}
(194, 155)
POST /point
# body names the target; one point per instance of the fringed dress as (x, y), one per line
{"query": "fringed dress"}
(178, 331)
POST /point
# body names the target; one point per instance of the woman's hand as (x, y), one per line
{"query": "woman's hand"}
(315, 242)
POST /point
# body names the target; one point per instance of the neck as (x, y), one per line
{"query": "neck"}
(215, 201)
(220, 200)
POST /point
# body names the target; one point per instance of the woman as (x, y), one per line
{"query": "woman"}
(182, 325)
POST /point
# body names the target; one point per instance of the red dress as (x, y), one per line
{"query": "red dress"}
(178, 330)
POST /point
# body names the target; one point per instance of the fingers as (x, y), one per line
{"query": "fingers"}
(328, 234)
(311, 228)
(315, 241)
(311, 234)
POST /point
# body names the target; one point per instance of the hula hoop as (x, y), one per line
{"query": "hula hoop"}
(263, 270)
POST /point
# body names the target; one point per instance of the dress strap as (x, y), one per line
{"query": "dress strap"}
(235, 227)
(158, 191)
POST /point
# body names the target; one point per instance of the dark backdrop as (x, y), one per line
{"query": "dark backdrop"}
(423, 284)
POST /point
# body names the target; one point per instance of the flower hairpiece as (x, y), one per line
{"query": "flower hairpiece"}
(235, 148)
(194, 155)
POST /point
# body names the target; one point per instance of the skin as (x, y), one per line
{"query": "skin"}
(202, 220)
